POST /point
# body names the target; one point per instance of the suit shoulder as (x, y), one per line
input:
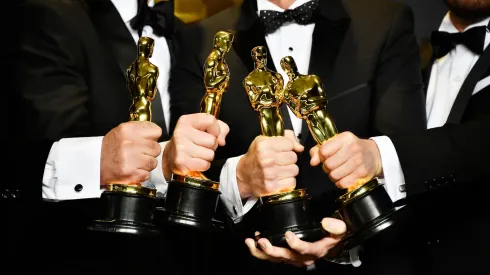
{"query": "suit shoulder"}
(55, 6)
(54, 14)
(376, 13)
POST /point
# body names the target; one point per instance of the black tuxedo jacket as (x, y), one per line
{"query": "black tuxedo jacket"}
(73, 57)
(364, 51)
(446, 171)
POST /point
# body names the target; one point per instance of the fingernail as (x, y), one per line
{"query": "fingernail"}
(334, 226)
(289, 235)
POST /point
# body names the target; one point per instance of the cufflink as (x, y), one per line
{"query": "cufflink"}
(401, 188)
(78, 187)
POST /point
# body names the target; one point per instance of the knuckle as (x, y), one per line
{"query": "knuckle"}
(269, 174)
(152, 163)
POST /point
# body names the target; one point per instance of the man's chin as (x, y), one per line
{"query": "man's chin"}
(469, 10)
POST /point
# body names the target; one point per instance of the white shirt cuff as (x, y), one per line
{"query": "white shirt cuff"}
(393, 178)
(229, 191)
(157, 179)
(72, 170)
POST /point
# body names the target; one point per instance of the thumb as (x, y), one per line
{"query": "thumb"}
(334, 226)
(315, 156)
(297, 147)
(224, 130)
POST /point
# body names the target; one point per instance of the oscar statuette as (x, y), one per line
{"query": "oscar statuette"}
(192, 199)
(130, 208)
(366, 208)
(287, 210)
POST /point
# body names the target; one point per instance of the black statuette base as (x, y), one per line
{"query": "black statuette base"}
(367, 215)
(127, 213)
(193, 206)
(290, 215)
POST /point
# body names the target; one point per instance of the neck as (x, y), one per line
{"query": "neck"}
(283, 4)
(259, 65)
(460, 23)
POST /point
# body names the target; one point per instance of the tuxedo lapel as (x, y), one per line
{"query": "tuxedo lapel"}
(113, 32)
(250, 34)
(464, 95)
(119, 41)
(331, 22)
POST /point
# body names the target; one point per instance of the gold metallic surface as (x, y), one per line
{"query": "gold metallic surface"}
(195, 181)
(132, 189)
(285, 196)
(264, 90)
(216, 73)
(359, 191)
(141, 79)
(306, 98)
(216, 79)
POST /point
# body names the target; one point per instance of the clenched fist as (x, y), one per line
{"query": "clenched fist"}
(348, 160)
(269, 166)
(129, 153)
(192, 146)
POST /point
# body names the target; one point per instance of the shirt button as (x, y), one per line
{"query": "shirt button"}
(401, 188)
(78, 187)
(458, 78)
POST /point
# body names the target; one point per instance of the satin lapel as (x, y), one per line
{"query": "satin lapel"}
(250, 34)
(464, 95)
(119, 41)
(113, 32)
(331, 24)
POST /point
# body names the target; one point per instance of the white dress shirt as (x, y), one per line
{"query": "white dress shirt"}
(76, 161)
(290, 39)
(447, 76)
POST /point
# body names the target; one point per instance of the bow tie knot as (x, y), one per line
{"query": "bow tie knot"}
(159, 17)
(473, 39)
(302, 15)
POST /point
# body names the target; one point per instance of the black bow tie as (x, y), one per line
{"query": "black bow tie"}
(159, 17)
(473, 39)
(302, 15)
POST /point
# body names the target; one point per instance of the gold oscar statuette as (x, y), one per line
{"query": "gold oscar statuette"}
(305, 96)
(287, 209)
(192, 198)
(130, 207)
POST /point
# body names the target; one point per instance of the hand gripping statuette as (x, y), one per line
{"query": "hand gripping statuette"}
(192, 198)
(366, 208)
(130, 208)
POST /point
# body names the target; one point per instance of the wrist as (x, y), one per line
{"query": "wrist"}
(242, 179)
(378, 166)
(167, 172)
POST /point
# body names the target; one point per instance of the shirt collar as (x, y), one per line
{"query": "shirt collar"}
(128, 8)
(267, 5)
(447, 25)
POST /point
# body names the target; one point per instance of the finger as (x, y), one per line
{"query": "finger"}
(330, 147)
(285, 158)
(338, 173)
(204, 122)
(315, 156)
(201, 138)
(315, 250)
(351, 182)
(280, 144)
(148, 147)
(335, 227)
(145, 129)
(257, 253)
(145, 162)
(287, 171)
(338, 159)
(285, 185)
(195, 164)
(224, 130)
(199, 152)
(297, 147)
(138, 176)
(276, 252)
